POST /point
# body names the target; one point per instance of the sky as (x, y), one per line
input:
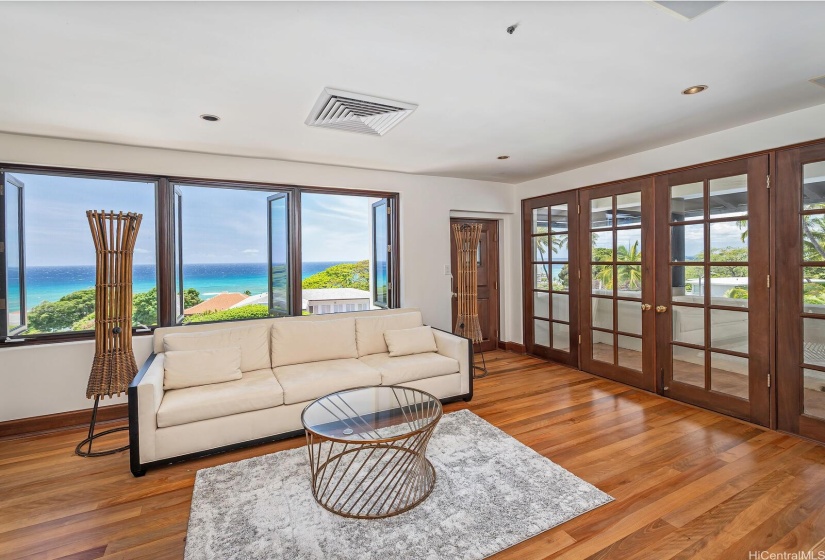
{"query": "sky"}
(219, 225)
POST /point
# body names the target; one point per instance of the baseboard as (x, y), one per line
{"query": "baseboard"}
(514, 347)
(60, 421)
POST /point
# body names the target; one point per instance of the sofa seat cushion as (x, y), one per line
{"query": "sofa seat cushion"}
(404, 369)
(306, 382)
(254, 391)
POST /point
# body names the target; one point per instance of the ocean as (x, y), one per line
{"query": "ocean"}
(50, 283)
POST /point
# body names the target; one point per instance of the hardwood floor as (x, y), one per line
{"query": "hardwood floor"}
(687, 483)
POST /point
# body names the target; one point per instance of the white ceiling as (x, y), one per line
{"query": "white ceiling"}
(576, 84)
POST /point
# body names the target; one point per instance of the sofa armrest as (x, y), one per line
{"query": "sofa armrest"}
(145, 396)
(461, 350)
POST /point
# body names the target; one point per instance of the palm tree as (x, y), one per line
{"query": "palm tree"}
(630, 275)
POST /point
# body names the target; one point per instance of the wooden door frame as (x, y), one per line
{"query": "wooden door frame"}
(646, 379)
(496, 241)
(789, 338)
(758, 407)
(571, 199)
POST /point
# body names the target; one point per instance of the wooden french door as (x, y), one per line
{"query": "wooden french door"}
(551, 264)
(713, 266)
(616, 286)
(487, 273)
(800, 265)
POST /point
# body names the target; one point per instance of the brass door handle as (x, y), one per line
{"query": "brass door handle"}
(661, 309)
(646, 307)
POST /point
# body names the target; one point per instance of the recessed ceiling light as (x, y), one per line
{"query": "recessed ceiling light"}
(694, 89)
(503, 157)
(210, 118)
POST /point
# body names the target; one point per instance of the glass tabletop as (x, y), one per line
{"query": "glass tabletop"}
(371, 414)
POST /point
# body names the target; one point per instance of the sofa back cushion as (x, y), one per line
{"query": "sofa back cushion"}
(252, 340)
(191, 368)
(369, 331)
(301, 342)
(410, 341)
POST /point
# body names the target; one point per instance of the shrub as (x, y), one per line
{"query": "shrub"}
(347, 275)
(235, 314)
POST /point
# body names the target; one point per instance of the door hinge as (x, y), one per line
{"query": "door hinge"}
(769, 281)
(389, 248)
(389, 285)
(769, 380)
(495, 285)
(580, 339)
(389, 210)
(2, 246)
(579, 273)
(2, 304)
(769, 181)
(579, 207)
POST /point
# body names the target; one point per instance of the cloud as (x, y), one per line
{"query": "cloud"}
(251, 251)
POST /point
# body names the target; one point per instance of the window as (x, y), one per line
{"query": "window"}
(344, 247)
(215, 251)
(49, 268)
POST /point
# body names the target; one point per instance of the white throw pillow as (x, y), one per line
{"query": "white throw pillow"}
(253, 341)
(191, 368)
(410, 341)
(369, 330)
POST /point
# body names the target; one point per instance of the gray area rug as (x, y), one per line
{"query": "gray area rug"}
(491, 493)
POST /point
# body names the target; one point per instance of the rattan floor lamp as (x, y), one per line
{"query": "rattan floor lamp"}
(467, 237)
(114, 365)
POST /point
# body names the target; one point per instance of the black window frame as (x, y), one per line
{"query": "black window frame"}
(167, 245)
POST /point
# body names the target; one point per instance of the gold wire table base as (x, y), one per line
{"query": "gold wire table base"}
(371, 480)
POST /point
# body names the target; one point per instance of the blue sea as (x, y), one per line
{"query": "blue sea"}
(50, 283)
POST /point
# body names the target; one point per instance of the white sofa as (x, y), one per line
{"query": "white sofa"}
(285, 364)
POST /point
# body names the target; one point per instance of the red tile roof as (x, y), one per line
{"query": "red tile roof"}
(216, 303)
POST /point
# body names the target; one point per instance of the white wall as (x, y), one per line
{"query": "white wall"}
(46, 379)
(790, 128)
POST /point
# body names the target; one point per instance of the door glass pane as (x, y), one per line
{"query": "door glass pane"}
(602, 346)
(813, 237)
(687, 243)
(558, 218)
(729, 241)
(541, 250)
(630, 316)
(729, 285)
(813, 185)
(558, 248)
(602, 313)
(630, 280)
(541, 331)
(177, 275)
(686, 202)
(561, 307)
(729, 330)
(688, 324)
(14, 274)
(541, 276)
(561, 277)
(380, 264)
(279, 255)
(540, 220)
(688, 283)
(689, 366)
(629, 245)
(629, 209)
(602, 246)
(728, 196)
(813, 289)
(729, 374)
(541, 304)
(630, 352)
(602, 279)
(561, 337)
(814, 341)
(601, 212)
(814, 384)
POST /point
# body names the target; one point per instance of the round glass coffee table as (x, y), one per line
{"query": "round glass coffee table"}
(367, 450)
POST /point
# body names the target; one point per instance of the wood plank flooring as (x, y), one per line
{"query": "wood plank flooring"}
(687, 483)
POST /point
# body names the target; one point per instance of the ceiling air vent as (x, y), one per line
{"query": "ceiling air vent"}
(353, 112)
(820, 81)
(686, 9)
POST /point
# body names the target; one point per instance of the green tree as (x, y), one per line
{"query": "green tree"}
(63, 313)
(145, 305)
(630, 275)
(347, 275)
